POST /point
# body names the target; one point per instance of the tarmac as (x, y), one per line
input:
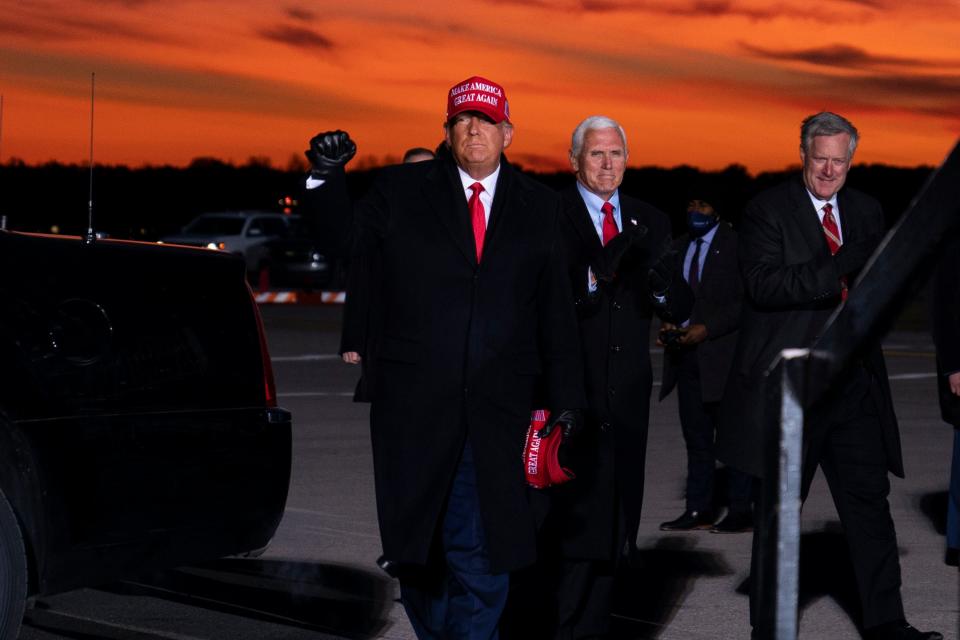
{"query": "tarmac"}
(692, 585)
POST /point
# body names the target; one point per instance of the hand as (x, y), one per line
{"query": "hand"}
(660, 276)
(351, 357)
(665, 327)
(853, 255)
(615, 250)
(693, 334)
(570, 420)
(954, 380)
(329, 152)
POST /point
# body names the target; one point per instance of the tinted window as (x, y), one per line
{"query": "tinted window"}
(270, 226)
(215, 226)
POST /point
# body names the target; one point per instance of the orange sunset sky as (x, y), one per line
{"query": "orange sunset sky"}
(699, 82)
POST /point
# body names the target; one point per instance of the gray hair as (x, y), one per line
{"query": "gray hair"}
(826, 123)
(592, 124)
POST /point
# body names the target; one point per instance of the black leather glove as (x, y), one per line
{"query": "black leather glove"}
(329, 152)
(660, 275)
(853, 255)
(570, 420)
(617, 248)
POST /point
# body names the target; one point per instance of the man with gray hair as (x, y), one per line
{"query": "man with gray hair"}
(801, 246)
(615, 248)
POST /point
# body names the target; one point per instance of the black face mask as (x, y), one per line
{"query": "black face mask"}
(699, 224)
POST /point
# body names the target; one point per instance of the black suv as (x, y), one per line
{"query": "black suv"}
(138, 419)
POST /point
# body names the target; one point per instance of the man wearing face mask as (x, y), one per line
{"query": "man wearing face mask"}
(697, 362)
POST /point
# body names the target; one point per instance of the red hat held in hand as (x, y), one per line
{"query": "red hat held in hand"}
(541, 460)
(481, 95)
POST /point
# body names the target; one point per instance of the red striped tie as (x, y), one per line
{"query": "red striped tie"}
(832, 232)
(478, 217)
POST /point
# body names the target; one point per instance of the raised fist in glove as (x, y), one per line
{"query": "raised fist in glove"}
(570, 420)
(329, 152)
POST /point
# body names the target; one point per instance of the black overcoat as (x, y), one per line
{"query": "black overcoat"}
(460, 347)
(946, 325)
(792, 287)
(717, 304)
(615, 338)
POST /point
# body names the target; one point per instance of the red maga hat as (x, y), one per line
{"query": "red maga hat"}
(478, 94)
(541, 456)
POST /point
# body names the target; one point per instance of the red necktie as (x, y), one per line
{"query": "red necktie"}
(832, 232)
(477, 217)
(609, 224)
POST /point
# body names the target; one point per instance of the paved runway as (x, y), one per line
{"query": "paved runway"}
(318, 578)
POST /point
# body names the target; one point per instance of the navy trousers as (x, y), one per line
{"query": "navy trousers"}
(462, 600)
(698, 421)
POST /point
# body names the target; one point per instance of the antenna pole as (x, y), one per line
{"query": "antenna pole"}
(91, 235)
(3, 219)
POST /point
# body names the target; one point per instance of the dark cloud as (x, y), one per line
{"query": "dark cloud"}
(299, 37)
(69, 28)
(301, 13)
(835, 55)
(870, 4)
(877, 92)
(910, 89)
(146, 84)
(703, 8)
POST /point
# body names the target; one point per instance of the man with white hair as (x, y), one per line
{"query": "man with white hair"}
(615, 247)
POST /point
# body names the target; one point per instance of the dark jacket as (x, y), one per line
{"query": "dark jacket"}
(792, 287)
(946, 325)
(459, 348)
(615, 341)
(717, 305)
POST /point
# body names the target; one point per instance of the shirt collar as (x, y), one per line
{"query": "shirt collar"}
(489, 183)
(818, 203)
(594, 202)
(708, 236)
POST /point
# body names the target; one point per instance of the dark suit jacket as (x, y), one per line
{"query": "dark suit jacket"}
(460, 346)
(717, 305)
(946, 325)
(615, 340)
(792, 287)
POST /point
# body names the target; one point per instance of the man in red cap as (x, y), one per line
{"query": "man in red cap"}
(473, 311)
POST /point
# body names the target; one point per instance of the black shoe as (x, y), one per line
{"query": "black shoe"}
(952, 557)
(689, 521)
(900, 630)
(734, 522)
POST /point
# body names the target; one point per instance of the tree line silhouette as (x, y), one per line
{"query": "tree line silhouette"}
(147, 202)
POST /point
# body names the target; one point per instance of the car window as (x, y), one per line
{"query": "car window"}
(267, 227)
(273, 226)
(215, 226)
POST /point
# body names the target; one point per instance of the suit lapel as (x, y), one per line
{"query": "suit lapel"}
(716, 247)
(444, 192)
(806, 218)
(850, 220)
(575, 209)
(507, 191)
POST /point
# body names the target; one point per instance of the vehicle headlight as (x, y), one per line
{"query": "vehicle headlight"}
(217, 246)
